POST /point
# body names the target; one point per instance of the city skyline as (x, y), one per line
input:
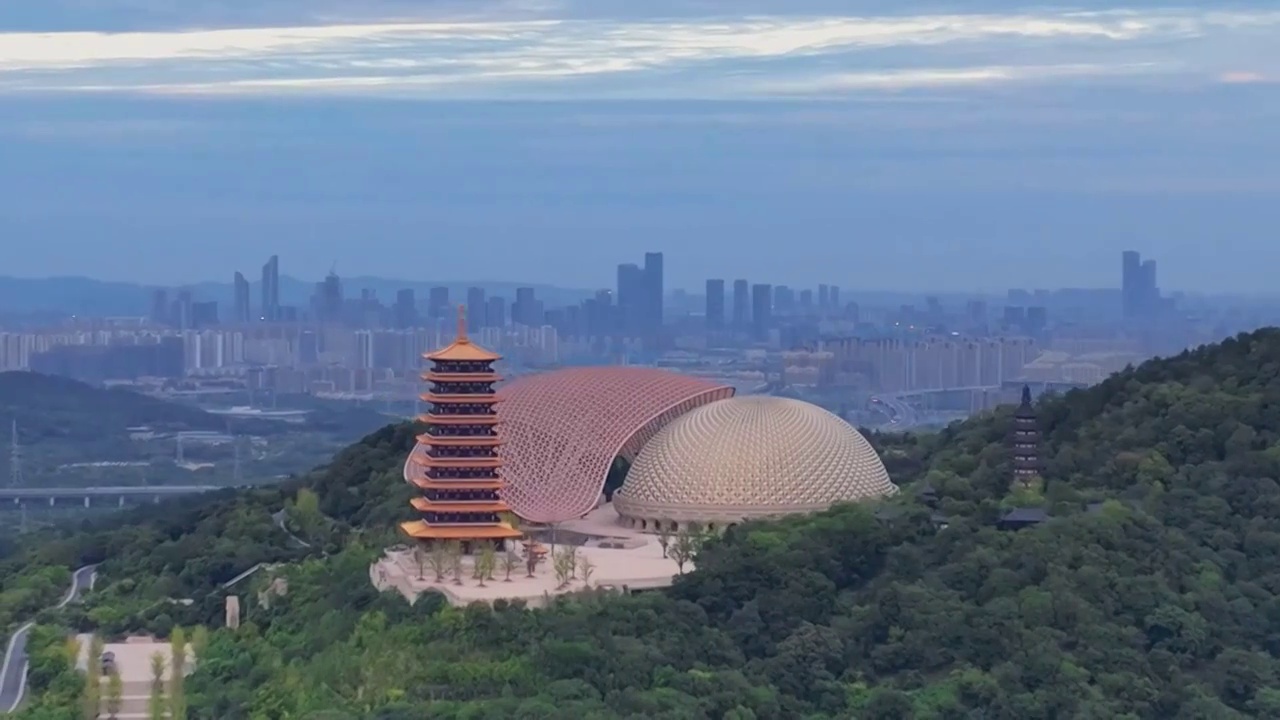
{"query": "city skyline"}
(255, 283)
(856, 143)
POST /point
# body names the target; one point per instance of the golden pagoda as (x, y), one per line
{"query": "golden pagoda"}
(457, 457)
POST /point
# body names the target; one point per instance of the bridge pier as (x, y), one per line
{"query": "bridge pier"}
(120, 503)
(86, 501)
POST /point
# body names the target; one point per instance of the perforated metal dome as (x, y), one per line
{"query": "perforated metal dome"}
(749, 457)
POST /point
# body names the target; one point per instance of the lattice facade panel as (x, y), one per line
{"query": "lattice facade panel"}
(562, 430)
(750, 457)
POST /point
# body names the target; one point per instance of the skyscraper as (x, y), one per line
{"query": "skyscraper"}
(631, 298)
(654, 294)
(406, 309)
(526, 310)
(437, 302)
(160, 310)
(1139, 292)
(476, 310)
(495, 311)
(328, 300)
(271, 289)
(741, 305)
(761, 310)
(715, 304)
(242, 313)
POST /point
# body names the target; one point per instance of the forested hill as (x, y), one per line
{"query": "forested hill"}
(49, 407)
(1162, 603)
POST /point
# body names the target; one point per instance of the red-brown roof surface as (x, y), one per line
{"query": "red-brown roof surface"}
(564, 428)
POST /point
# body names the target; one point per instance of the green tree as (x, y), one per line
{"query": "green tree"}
(115, 693)
(439, 560)
(510, 561)
(93, 679)
(485, 561)
(178, 649)
(156, 704)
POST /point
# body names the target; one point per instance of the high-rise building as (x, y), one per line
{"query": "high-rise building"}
(784, 300)
(824, 299)
(806, 302)
(456, 462)
(715, 304)
(1130, 282)
(761, 310)
(1139, 287)
(654, 294)
(327, 302)
(182, 310)
(631, 298)
(437, 302)
(476, 309)
(242, 312)
(160, 307)
(741, 305)
(271, 289)
(406, 309)
(526, 310)
(495, 312)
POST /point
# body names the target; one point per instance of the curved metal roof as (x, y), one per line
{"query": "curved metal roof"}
(562, 430)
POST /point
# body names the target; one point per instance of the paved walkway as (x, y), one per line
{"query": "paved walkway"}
(13, 671)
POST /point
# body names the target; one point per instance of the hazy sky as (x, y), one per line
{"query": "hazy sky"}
(789, 141)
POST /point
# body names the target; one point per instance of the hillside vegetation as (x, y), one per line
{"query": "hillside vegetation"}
(1162, 603)
(65, 422)
(50, 408)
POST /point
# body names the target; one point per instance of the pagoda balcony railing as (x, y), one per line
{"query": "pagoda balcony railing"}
(433, 376)
(462, 408)
(464, 453)
(460, 399)
(1025, 433)
(457, 461)
(462, 431)
(457, 367)
(461, 496)
(462, 388)
(461, 518)
(445, 474)
(447, 419)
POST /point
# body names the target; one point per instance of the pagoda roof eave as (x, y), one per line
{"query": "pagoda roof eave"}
(463, 350)
(420, 530)
(479, 506)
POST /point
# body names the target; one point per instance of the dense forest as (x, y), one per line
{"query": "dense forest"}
(1152, 591)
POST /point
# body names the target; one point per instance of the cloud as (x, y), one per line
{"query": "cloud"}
(691, 57)
(1239, 77)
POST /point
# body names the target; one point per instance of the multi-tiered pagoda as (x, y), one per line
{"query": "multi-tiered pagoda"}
(1025, 439)
(458, 454)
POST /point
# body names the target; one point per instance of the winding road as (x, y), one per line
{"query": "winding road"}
(13, 671)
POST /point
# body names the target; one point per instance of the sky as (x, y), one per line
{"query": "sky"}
(940, 147)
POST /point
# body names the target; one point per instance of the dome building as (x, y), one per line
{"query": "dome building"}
(748, 457)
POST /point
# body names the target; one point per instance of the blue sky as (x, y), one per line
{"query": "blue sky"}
(852, 142)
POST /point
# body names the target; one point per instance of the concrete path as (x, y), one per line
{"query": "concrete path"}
(13, 671)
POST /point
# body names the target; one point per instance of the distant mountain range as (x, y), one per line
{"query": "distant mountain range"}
(86, 296)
